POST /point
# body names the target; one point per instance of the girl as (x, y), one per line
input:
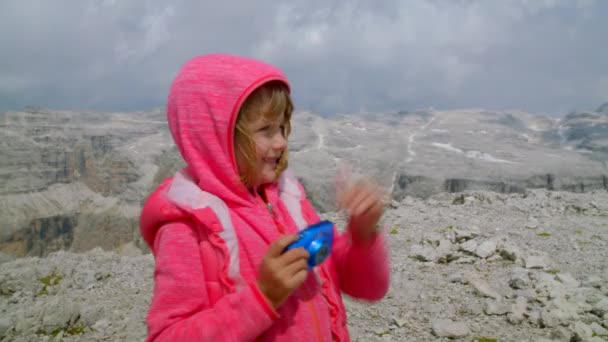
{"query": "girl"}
(218, 228)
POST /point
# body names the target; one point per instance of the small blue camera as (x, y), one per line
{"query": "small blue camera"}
(317, 239)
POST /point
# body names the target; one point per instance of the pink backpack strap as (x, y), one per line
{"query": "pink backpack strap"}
(185, 194)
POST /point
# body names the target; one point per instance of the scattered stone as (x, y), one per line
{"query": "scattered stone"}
(581, 332)
(400, 322)
(496, 308)
(5, 323)
(535, 262)
(464, 235)
(534, 317)
(458, 278)
(469, 246)
(486, 249)
(465, 260)
(593, 281)
(423, 253)
(518, 310)
(510, 251)
(598, 329)
(561, 334)
(432, 239)
(519, 278)
(601, 308)
(450, 329)
(494, 258)
(532, 224)
(568, 280)
(549, 318)
(484, 289)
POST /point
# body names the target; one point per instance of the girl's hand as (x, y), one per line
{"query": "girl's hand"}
(281, 273)
(363, 203)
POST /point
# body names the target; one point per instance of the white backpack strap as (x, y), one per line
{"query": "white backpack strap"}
(290, 194)
(184, 193)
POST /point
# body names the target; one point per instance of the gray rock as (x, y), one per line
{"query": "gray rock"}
(450, 329)
(469, 246)
(598, 329)
(423, 253)
(519, 278)
(596, 339)
(518, 310)
(581, 332)
(534, 317)
(432, 239)
(400, 321)
(496, 308)
(532, 224)
(601, 308)
(464, 235)
(59, 312)
(593, 281)
(561, 334)
(535, 262)
(465, 260)
(549, 318)
(458, 278)
(510, 251)
(568, 280)
(5, 324)
(486, 249)
(484, 289)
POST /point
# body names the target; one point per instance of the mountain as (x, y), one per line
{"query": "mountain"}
(75, 181)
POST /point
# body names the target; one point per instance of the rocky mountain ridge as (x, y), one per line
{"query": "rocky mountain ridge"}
(77, 180)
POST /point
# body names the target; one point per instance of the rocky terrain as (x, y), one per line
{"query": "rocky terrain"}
(75, 181)
(473, 266)
(497, 226)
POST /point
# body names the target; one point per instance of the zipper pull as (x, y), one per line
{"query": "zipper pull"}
(271, 210)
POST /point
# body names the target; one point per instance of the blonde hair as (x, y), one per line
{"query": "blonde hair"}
(268, 101)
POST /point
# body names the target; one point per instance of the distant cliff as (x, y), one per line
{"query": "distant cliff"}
(77, 180)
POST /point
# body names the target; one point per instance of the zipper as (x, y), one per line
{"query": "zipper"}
(310, 302)
(275, 217)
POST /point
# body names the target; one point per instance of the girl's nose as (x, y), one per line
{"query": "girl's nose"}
(280, 143)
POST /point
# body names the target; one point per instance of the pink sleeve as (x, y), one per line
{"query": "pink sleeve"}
(363, 269)
(180, 308)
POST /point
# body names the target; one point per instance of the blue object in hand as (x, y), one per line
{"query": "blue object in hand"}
(317, 239)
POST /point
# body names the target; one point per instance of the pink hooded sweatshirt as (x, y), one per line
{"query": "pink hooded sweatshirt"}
(195, 298)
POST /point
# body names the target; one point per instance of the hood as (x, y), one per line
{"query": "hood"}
(204, 101)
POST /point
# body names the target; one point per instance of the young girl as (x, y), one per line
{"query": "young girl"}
(218, 228)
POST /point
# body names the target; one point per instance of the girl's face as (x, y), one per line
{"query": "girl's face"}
(270, 143)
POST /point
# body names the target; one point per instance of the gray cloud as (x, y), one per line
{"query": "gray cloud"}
(542, 56)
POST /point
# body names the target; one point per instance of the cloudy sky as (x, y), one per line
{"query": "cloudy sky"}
(541, 56)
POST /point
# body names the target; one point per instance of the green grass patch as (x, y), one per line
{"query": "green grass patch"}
(394, 231)
(486, 339)
(50, 280)
(553, 271)
(545, 234)
(578, 232)
(382, 333)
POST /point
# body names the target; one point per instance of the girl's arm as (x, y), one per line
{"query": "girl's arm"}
(363, 267)
(180, 308)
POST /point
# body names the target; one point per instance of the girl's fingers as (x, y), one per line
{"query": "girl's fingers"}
(365, 205)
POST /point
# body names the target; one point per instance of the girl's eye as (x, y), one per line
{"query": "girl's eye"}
(265, 128)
